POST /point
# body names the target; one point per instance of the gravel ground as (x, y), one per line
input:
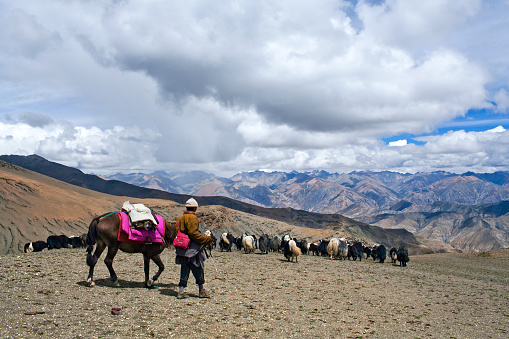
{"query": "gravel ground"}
(257, 296)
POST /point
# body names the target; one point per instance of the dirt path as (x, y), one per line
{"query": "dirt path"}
(258, 296)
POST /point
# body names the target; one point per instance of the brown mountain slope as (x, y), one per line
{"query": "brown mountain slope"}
(34, 206)
(468, 228)
(76, 177)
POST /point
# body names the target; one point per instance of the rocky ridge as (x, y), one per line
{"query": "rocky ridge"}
(34, 206)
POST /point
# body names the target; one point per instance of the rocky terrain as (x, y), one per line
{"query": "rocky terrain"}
(34, 206)
(352, 194)
(448, 295)
(469, 229)
(456, 209)
(44, 294)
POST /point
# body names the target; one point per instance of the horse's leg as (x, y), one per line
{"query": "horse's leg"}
(157, 260)
(108, 261)
(92, 260)
(146, 266)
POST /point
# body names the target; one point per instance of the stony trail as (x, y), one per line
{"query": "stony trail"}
(257, 296)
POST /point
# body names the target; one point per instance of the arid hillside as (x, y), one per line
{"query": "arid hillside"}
(34, 206)
(372, 200)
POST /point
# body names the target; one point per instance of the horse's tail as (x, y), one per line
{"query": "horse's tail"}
(93, 233)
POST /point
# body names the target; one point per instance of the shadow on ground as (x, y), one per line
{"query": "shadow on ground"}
(128, 284)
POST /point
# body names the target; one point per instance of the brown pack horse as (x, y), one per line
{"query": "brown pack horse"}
(103, 230)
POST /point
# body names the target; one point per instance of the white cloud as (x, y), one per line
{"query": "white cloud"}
(501, 101)
(284, 85)
(498, 129)
(415, 25)
(457, 151)
(132, 149)
(398, 143)
(91, 148)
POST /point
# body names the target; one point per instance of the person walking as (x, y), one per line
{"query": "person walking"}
(192, 259)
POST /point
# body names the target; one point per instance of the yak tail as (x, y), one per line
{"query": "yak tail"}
(295, 249)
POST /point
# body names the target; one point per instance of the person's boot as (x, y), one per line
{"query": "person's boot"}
(204, 294)
(182, 295)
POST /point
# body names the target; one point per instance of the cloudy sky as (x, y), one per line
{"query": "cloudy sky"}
(231, 86)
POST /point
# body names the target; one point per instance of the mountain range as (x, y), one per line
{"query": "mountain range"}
(467, 211)
(34, 205)
(351, 194)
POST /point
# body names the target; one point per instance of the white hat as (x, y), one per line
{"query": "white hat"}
(191, 203)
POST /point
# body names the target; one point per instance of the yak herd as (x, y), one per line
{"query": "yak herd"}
(54, 242)
(335, 248)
